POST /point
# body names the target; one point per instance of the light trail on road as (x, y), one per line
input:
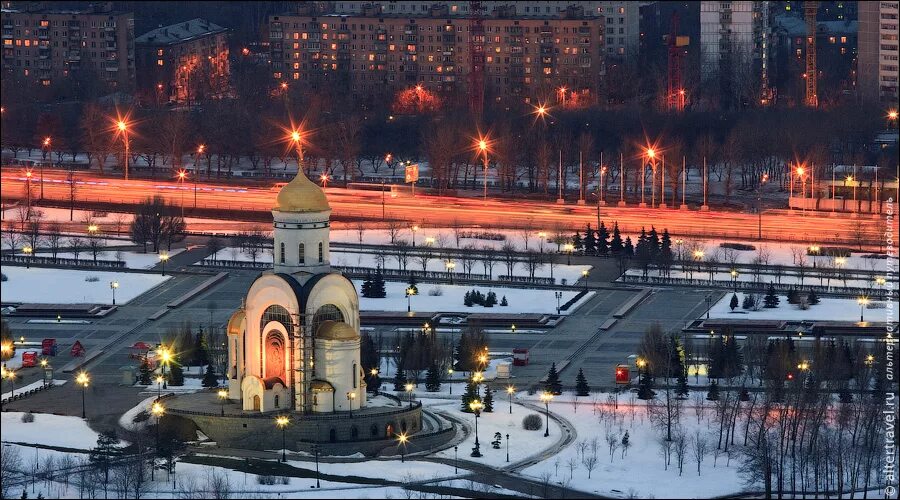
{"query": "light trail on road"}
(778, 225)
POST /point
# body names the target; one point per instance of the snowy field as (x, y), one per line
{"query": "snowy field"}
(41, 285)
(48, 430)
(133, 260)
(747, 277)
(826, 310)
(521, 300)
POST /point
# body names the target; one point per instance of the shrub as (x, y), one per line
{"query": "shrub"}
(142, 416)
(3, 277)
(92, 279)
(28, 418)
(436, 291)
(266, 480)
(533, 422)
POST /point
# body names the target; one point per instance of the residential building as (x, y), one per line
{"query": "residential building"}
(47, 45)
(878, 51)
(375, 54)
(735, 39)
(184, 62)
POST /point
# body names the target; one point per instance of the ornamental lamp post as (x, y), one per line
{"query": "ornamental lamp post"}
(113, 285)
(401, 444)
(158, 410)
(223, 396)
(282, 422)
(409, 388)
(450, 373)
(83, 380)
(409, 294)
(28, 251)
(510, 390)
(163, 258)
(546, 397)
(863, 301)
(350, 397)
(476, 407)
(159, 382)
(507, 447)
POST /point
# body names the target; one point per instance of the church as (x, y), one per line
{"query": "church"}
(294, 344)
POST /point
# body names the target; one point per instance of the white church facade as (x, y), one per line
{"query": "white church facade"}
(294, 345)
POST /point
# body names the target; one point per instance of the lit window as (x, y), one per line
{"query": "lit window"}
(843, 39)
(159, 62)
(159, 52)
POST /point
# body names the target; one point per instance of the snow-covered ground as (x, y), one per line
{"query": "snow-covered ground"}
(33, 385)
(641, 471)
(746, 277)
(521, 300)
(133, 260)
(48, 430)
(41, 285)
(826, 310)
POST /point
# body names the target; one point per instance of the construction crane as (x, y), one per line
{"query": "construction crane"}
(675, 96)
(809, 11)
(476, 58)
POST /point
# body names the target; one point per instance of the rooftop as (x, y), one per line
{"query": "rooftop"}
(796, 26)
(180, 32)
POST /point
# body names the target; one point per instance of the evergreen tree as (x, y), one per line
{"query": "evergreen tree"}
(645, 386)
(603, 240)
(771, 300)
(748, 302)
(590, 241)
(412, 286)
(176, 374)
(503, 301)
(665, 251)
(209, 378)
(681, 387)
(467, 299)
(713, 394)
(433, 378)
(793, 297)
(399, 380)
(145, 373)
(469, 395)
(653, 245)
(201, 353)
(488, 399)
(490, 300)
(105, 452)
(615, 245)
(367, 285)
(734, 302)
(745, 394)
(812, 298)
(577, 242)
(581, 386)
(378, 285)
(370, 359)
(553, 385)
(629, 247)
(733, 361)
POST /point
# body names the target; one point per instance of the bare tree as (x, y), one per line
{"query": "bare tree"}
(699, 448)
(54, 238)
(12, 239)
(424, 256)
(214, 245)
(488, 259)
(681, 447)
(120, 221)
(360, 231)
(665, 451)
(590, 463)
(75, 246)
(393, 228)
(612, 442)
(510, 257)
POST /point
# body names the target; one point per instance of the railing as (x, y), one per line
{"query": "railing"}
(24, 259)
(760, 287)
(21, 394)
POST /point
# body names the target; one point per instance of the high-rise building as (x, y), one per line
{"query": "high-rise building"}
(184, 62)
(878, 52)
(735, 39)
(622, 18)
(375, 54)
(45, 45)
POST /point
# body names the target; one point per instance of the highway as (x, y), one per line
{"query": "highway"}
(256, 202)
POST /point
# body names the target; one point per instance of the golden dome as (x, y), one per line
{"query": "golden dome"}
(301, 195)
(336, 330)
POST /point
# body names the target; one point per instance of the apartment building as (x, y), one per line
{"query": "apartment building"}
(372, 54)
(184, 62)
(878, 52)
(46, 45)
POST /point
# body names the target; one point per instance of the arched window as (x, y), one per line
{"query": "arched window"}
(281, 257)
(276, 402)
(321, 253)
(354, 432)
(373, 430)
(332, 435)
(302, 254)
(353, 375)
(403, 426)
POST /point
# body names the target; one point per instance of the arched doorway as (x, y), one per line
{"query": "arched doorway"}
(275, 355)
(332, 435)
(389, 431)
(256, 403)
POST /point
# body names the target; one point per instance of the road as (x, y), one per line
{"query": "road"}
(256, 202)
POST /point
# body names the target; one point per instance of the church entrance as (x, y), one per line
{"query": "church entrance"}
(256, 404)
(275, 355)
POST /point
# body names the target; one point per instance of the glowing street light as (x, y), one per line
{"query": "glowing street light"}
(159, 382)
(409, 390)
(163, 257)
(223, 396)
(409, 293)
(113, 285)
(401, 444)
(165, 357)
(122, 128)
(546, 397)
(510, 390)
(28, 251)
(476, 406)
(83, 380)
(569, 248)
(11, 375)
(863, 301)
(482, 145)
(282, 422)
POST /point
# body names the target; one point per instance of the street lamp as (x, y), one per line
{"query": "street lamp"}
(163, 257)
(27, 250)
(763, 181)
(409, 388)
(401, 444)
(282, 422)
(584, 278)
(83, 380)
(507, 447)
(46, 145)
(734, 276)
(542, 236)
(158, 410)
(11, 375)
(409, 293)
(546, 397)
(510, 390)
(28, 175)
(350, 397)
(558, 298)
(450, 267)
(863, 301)
(223, 396)
(113, 285)
(483, 150)
(414, 229)
(159, 382)
(450, 373)
(122, 128)
(181, 175)
(476, 406)
(569, 248)
(165, 357)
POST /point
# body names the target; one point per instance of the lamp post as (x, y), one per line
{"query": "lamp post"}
(450, 373)
(409, 293)
(46, 145)
(558, 298)
(165, 357)
(200, 150)
(450, 267)
(28, 189)
(763, 180)
(282, 422)
(569, 248)
(401, 445)
(476, 407)
(316, 453)
(734, 276)
(122, 128)
(113, 285)
(483, 149)
(350, 397)
(27, 250)
(83, 380)
(409, 388)
(863, 302)
(507, 447)
(11, 375)
(542, 235)
(546, 397)
(159, 382)
(163, 257)
(45, 365)
(181, 175)
(414, 229)
(158, 410)
(510, 390)
(708, 305)
(223, 396)
(584, 278)
(456, 459)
